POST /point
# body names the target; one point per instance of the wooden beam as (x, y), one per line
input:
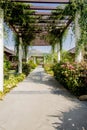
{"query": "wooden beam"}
(47, 24)
(41, 8)
(67, 25)
(43, 1)
(39, 42)
(41, 13)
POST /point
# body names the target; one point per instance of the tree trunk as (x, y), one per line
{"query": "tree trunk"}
(1, 50)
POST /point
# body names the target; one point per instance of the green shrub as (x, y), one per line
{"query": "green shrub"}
(26, 68)
(72, 76)
(12, 82)
(32, 64)
(67, 57)
(48, 68)
(7, 66)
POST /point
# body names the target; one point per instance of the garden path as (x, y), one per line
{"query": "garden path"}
(41, 103)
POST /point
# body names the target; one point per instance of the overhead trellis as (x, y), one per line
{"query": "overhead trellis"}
(18, 19)
(25, 20)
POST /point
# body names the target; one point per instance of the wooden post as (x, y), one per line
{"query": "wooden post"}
(1, 50)
(20, 56)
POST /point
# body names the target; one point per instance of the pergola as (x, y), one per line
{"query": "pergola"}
(43, 1)
(45, 20)
(43, 23)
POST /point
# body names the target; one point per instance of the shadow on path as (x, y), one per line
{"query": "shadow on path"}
(74, 119)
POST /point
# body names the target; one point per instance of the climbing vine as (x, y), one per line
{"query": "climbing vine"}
(17, 17)
(79, 7)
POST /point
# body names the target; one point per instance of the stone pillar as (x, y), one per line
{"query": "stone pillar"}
(1, 50)
(79, 55)
(20, 56)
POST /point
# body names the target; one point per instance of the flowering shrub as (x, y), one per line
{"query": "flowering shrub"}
(73, 76)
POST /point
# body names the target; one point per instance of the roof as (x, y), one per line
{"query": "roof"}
(35, 52)
(7, 50)
(72, 50)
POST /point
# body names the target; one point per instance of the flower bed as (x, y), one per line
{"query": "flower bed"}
(72, 76)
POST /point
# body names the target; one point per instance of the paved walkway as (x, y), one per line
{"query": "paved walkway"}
(40, 103)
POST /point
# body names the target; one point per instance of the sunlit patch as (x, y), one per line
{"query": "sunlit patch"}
(73, 125)
(83, 128)
(69, 119)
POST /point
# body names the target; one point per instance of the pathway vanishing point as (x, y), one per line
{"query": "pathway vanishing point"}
(41, 103)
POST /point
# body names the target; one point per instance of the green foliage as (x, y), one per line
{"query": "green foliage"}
(16, 15)
(52, 57)
(52, 40)
(72, 76)
(7, 65)
(48, 68)
(79, 7)
(48, 58)
(32, 64)
(26, 68)
(66, 57)
(12, 82)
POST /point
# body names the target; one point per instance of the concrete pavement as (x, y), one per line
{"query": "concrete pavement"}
(41, 103)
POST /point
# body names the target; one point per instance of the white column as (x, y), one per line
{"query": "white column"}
(20, 56)
(1, 50)
(79, 55)
(58, 52)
